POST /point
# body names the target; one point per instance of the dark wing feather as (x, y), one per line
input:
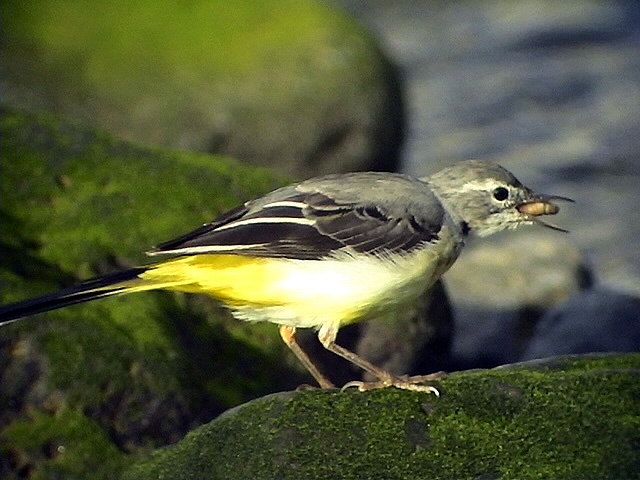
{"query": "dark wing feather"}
(232, 233)
(306, 225)
(368, 228)
(200, 234)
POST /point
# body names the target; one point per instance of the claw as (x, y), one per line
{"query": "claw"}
(354, 383)
(404, 383)
(418, 388)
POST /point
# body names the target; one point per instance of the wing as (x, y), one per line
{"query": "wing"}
(308, 221)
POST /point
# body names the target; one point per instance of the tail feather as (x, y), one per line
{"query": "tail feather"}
(103, 286)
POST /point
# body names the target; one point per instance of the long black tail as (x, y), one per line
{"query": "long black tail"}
(103, 286)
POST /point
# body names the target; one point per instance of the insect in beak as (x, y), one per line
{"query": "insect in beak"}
(542, 205)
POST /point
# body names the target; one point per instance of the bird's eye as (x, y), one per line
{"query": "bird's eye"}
(501, 194)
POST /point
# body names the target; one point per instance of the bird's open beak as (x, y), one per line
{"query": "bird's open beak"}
(539, 205)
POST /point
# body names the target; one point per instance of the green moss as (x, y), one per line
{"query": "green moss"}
(90, 203)
(60, 446)
(250, 31)
(144, 368)
(578, 419)
(194, 73)
(84, 195)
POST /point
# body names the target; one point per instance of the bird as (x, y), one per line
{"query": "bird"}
(327, 252)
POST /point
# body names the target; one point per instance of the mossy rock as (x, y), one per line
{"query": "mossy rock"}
(116, 377)
(292, 84)
(573, 417)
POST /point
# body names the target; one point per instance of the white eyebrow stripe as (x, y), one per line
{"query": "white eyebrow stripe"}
(286, 203)
(249, 221)
(484, 184)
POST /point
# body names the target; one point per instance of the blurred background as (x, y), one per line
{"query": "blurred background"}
(549, 89)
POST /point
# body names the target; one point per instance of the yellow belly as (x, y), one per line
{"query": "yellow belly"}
(301, 293)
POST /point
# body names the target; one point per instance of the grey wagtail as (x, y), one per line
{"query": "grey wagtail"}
(328, 252)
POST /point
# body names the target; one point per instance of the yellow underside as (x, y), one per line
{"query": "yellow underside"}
(303, 293)
(231, 278)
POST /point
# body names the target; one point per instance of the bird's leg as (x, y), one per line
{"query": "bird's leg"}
(327, 336)
(288, 335)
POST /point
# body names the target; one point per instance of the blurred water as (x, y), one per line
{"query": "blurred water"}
(551, 90)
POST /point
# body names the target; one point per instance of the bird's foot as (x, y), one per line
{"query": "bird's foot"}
(414, 383)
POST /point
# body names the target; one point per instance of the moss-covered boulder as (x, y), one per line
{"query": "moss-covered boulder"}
(294, 84)
(83, 388)
(564, 418)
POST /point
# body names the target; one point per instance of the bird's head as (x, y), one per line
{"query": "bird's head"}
(488, 198)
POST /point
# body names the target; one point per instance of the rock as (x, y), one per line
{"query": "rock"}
(572, 417)
(83, 388)
(595, 320)
(500, 289)
(528, 268)
(290, 84)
